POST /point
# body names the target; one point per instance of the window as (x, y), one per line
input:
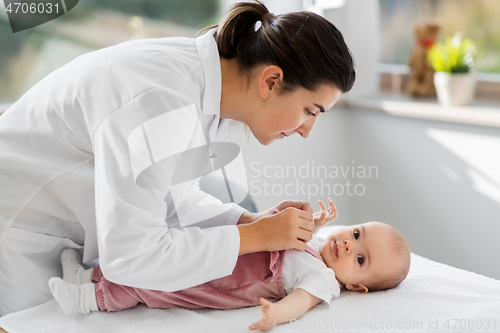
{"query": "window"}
(28, 56)
(476, 19)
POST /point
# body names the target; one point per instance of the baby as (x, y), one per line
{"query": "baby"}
(367, 257)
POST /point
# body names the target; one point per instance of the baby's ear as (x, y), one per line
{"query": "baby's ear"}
(357, 287)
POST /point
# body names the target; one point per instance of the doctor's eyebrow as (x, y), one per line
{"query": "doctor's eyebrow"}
(320, 107)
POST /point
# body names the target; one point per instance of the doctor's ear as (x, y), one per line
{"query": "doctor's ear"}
(357, 287)
(270, 80)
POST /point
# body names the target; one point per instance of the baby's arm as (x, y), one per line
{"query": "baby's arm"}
(324, 216)
(293, 306)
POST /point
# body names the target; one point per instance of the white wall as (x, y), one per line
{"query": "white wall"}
(439, 185)
(274, 6)
(358, 20)
(326, 146)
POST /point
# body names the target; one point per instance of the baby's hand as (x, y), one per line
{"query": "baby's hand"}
(325, 216)
(269, 316)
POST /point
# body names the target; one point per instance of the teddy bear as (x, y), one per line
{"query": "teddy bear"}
(421, 80)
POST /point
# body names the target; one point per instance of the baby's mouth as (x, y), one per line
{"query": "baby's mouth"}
(335, 249)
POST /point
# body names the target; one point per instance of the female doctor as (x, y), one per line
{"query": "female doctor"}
(88, 156)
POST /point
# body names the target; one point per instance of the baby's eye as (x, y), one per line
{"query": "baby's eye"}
(356, 233)
(361, 259)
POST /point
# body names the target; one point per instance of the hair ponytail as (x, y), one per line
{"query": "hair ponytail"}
(308, 48)
(237, 26)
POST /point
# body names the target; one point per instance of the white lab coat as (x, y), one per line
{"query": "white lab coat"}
(71, 151)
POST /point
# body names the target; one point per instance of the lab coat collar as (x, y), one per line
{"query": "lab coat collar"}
(209, 55)
(210, 61)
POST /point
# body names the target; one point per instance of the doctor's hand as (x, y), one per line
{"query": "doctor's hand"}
(248, 217)
(302, 205)
(290, 228)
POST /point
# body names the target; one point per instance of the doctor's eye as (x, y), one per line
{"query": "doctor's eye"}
(356, 233)
(309, 113)
(361, 259)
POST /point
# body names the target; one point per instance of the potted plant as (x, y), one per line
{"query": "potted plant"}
(453, 61)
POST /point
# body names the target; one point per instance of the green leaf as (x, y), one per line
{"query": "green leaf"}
(453, 55)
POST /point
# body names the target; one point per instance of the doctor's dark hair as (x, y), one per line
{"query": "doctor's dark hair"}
(308, 48)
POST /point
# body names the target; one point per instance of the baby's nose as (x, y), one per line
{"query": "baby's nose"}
(347, 245)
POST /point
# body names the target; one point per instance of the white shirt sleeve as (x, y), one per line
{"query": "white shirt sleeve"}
(302, 270)
(136, 247)
(201, 203)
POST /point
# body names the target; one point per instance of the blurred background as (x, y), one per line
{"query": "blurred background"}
(27, 56)
(477, 19)
(437, 182)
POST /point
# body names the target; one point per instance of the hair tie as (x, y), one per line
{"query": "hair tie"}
(257, 26)
(307, 18)
(267, 15)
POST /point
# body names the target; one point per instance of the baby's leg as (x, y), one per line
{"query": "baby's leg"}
(73, 272)
(114, 297)
(72, 298)
(102, 295)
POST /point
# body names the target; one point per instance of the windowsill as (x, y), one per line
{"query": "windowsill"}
(479, 113)
(392, 99)
(483, 113)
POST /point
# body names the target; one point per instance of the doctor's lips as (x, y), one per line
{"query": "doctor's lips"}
(283, 135)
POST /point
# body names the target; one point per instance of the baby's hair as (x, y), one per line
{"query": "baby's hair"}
(393, 276)
(307, 47)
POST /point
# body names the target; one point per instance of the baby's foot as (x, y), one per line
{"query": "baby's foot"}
(73, 272)
(72, 298)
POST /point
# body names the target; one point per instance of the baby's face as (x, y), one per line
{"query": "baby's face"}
(358, 252)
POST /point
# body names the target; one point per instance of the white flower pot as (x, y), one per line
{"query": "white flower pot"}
(455, 89)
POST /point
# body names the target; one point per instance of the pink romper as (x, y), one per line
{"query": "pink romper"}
(255, 275)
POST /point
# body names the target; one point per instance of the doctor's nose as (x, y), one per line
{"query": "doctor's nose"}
(306, 128)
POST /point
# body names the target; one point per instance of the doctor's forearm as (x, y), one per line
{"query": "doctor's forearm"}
(248, 217)
(250, 239)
